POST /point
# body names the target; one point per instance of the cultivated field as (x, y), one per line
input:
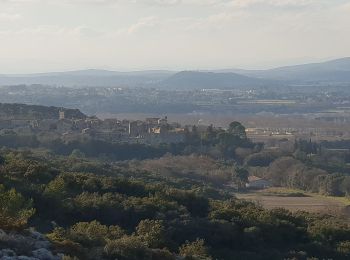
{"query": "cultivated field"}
(296, 200)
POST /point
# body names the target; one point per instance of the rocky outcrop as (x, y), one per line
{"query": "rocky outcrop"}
(27, 245)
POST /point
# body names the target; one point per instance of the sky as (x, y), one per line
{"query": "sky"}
(60, 35)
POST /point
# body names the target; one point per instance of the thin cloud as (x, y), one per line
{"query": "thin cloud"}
(146, 22)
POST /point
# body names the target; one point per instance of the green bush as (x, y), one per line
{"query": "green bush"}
(127, 247)
(194, 250)
(151, 232)
(15, 210)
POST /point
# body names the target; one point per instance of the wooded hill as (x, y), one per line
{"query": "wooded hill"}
(34, 112)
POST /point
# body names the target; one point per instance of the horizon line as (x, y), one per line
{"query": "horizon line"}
(171, 70)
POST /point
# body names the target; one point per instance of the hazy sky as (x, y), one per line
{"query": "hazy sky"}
(51, 35)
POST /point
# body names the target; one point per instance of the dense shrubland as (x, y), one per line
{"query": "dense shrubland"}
(115, 211)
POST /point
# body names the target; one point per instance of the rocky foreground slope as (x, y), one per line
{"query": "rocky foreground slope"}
(27, 245)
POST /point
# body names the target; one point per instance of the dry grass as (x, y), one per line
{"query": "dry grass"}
(296, 200)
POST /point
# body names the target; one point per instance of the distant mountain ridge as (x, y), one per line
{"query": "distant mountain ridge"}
(330, 72)
(336, 71)
(88, 78)
(202, 80)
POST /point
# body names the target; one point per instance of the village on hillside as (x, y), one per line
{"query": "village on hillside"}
(70, 125)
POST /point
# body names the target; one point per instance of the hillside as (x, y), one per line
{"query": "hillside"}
(90, 209)
(34, 112)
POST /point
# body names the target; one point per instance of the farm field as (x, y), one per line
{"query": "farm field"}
(295, 200)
